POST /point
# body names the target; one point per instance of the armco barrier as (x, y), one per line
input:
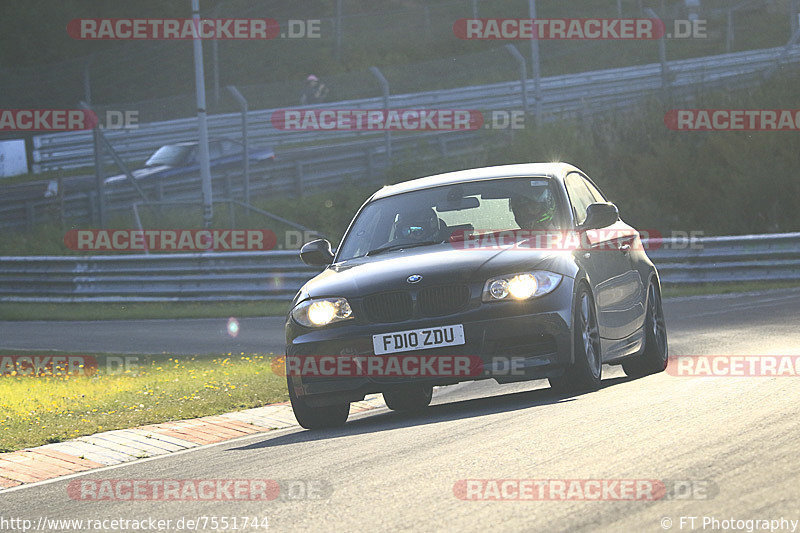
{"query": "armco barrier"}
(295, 171)
(155, 277)
(740, 258)
(560, 94)
(277, 275)
(338, 157)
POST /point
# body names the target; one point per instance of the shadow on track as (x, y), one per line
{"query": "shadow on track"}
(434, 414)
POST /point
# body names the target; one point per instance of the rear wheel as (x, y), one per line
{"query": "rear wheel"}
(309, 417)
(655, 355)
(585, 373)
(413, 398)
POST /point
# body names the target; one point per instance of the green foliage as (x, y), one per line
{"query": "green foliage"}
(716, 182)
(44, 67)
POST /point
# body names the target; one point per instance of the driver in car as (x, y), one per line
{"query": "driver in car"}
(534, 213)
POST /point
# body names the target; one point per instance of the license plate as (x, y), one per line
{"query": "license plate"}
(418, 339)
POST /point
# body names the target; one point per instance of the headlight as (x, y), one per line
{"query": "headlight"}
(321, 312)
(522, 286)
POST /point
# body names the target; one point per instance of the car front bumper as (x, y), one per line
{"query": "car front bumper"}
(514, 341)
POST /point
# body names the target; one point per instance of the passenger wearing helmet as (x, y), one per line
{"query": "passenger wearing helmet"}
(534, 213)
(416, 226)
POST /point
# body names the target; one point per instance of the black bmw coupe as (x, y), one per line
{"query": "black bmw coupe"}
(511, 273)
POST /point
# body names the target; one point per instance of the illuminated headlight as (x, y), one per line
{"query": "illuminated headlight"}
(522, 286)
(321, 312)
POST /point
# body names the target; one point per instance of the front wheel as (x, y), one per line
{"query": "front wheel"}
(309, 417)
(585, 373)
(413, 398)
(655, 355)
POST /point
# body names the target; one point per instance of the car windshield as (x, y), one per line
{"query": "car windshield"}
(171, 155)
(436, 215)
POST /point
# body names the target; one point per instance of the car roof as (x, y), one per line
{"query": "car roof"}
(184, 143)
(555, 170)
(195, 143)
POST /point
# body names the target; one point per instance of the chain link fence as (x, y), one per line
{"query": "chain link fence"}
(412, 42)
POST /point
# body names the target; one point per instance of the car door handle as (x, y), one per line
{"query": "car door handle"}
(625, 248)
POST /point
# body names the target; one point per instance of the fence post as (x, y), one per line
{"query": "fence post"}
(427, 10)
(729, 34)
(202, 120)
(91, 197)
(370, 164)
(795, 17)
(228, 183)
(523, 75)
(62, 217)
(246, 152)
(98, 174)
(215, 62)
(535, 66)
(662, 54)
(29, 215)
(338, 46)
(298, 165)
(98, 155)
(385, 88)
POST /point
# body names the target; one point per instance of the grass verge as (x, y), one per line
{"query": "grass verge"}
(53, 408)
(134, 311)
(726, 288)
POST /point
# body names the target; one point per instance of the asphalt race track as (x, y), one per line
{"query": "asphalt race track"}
(178, 337)
(736, 438)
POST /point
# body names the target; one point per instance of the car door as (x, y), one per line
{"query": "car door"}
(630, 304)
(605, 258)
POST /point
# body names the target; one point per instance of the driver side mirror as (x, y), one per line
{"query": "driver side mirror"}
(317, 253)
(600, 215)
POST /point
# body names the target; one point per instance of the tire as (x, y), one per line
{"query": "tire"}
(413, 398)
(655, 355)
(585, 373)
(329, 416)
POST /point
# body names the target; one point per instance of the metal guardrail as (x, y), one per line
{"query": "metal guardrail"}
(277, 275)
(559, 94)
(295, 171)
(740, 258)
(153, 278)
(361, 156)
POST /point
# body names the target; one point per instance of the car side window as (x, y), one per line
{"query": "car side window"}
(594, 191)
(579, 196)
(214, 150)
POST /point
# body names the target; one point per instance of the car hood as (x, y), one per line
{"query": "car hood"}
(440, 264)
(139, 173)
